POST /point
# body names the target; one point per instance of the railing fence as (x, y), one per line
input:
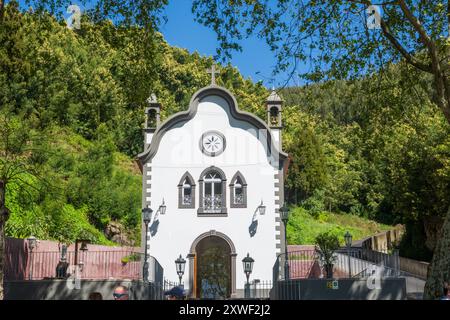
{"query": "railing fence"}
(348, 263)
(259, 289)
(83, 265)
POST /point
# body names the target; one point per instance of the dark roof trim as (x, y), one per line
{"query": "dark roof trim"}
(236, 175)
(189, 177)
(150, 152)
(212, 168)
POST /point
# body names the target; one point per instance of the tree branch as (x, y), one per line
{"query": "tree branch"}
(448, 18)
(2, 10)
(417, 25)
(393, 40)
(411, 60)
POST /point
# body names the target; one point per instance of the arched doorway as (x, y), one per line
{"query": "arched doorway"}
(212, 266)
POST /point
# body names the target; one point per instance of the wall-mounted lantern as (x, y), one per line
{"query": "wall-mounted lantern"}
(162, 208)
(262, 208)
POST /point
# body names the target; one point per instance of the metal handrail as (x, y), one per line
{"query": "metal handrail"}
(306, 263)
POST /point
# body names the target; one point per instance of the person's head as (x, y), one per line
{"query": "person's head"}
(176, 293)
(120, 293)
(95, 296)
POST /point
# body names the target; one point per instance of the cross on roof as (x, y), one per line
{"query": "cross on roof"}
(213, 72)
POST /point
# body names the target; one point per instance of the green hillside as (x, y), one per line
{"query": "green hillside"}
(89, 184)
(303, 227)
(72, 112)
(77, 98)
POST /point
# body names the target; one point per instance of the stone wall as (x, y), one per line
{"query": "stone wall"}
(383, 241)
(417, 268)
(64, 290)
(343, 289)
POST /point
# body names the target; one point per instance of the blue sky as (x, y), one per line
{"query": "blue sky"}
(255, 61)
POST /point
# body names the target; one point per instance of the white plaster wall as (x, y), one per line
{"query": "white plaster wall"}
(148, 137)
(276, 137)
(179, 152)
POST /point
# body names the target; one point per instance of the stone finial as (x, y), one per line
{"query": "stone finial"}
(274, 97)
(152, 99)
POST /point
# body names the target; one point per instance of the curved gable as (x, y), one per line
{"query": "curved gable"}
(187, 115)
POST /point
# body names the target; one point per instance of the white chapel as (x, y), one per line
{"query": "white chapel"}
(218, 172)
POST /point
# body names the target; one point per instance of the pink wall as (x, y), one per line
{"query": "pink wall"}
(100, 262)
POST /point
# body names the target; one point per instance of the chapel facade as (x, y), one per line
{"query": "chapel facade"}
(219, 172)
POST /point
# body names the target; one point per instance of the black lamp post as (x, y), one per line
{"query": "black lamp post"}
(32, 243)
(83, 248)
(180, 264)
(248, 267)
(348, 244)
(146, 217)
(284, 213)
(84, 244)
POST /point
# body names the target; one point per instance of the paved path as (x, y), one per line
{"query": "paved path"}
(414, 287)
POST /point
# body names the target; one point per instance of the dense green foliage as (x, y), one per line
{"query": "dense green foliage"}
(304, 227)
(325, 245)
(86, 90)
(375, 148)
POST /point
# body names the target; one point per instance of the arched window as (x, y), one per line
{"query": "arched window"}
(274, 116)
(238, 191)
(186, 192)
(212, 192)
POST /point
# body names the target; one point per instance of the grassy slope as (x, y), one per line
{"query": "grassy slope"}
(303, 228)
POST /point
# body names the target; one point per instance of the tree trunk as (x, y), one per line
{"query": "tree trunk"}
(329, 270)
(439, 269)
(4, 215)
(2, 253)
(2, 8)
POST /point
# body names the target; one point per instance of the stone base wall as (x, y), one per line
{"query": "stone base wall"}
(64, 290)
(344, 289)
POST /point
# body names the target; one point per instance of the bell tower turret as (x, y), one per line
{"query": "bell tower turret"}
(274, 107)
(274, 103)
(152, 117)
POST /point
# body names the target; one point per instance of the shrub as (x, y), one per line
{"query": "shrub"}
(326, 244)
(132, 257)
(315, 204)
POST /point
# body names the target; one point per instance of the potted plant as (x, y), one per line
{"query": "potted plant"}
(325, 245)
(130, 258)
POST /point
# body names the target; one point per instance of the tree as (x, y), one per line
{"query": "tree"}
(325, 245)
(20, 160)
(144, 13)
(336, 38)
(307, 171)
(439, 271)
